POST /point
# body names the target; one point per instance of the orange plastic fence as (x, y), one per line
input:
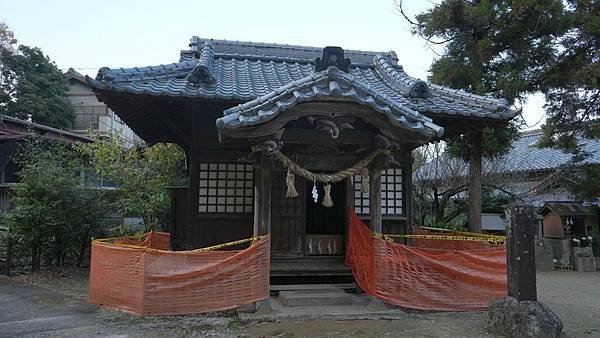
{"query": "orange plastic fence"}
(140, 277)
(425, 278)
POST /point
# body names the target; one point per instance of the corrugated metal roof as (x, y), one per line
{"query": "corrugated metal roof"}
(492, 222)
(244, 71)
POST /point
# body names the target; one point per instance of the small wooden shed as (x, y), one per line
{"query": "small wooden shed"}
(251, 114)
(568, 220)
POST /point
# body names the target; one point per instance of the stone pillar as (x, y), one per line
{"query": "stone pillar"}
(520, 252)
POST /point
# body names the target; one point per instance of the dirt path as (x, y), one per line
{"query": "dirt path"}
(54, 304)
(413, 325)
(575, 297)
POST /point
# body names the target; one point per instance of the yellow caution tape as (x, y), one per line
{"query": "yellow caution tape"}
(466, 233)
(210, 248)
(496, 239)
(224, 245)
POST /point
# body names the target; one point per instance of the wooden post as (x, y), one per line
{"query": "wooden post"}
(265, 200)
(375, 198)
(193, 200)
(520, 252)
(407, 198)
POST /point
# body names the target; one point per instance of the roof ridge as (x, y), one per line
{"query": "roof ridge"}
(73, 74)
(531, 132)
(496, 104)
(32, 124)
(277, 45)
(395, 75)
(202, 72)
(181, 68)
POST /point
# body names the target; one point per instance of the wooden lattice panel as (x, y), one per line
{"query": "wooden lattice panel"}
(391, 194)
(225, 188)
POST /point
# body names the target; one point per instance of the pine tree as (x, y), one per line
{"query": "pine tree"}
(509, 49)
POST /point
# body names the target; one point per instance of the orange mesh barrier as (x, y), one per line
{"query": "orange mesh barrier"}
(137, 277)
(153, 240)
(425, 278)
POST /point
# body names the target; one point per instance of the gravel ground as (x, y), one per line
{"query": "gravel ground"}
(575, 297)
(53, 304)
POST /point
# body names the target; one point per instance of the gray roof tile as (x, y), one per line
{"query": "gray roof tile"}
(524, 156)
(244, 71)
(331, 82)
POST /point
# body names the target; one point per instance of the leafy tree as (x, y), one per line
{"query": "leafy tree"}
(493, 47)
(54, 213)
(142, 175)
(7, 37)
(31, 85)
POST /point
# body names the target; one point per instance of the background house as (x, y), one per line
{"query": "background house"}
(12, 130)
(92, 117)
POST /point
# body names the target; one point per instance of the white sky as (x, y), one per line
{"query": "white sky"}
(87, 35)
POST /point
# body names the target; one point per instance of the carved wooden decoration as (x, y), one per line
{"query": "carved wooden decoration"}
(332, 126)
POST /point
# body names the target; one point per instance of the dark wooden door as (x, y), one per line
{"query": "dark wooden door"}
(288, 217)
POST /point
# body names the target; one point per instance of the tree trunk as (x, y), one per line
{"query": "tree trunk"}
(82, 250)
(58, 256)
(475, 179)
(8, 255)
(35, 257)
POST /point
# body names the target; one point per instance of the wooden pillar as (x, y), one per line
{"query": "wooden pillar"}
(407, 199)
(264, 201)
(375, 198)
(193, 198)
(520, 252)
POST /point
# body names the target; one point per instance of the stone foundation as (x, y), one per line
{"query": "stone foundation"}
(510, 318)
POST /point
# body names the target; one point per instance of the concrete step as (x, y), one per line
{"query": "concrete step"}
(315, 297)
(295, 287)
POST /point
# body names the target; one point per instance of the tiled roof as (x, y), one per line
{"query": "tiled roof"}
(245, 71)
(523, 156)
(328, 83)
(14, 128)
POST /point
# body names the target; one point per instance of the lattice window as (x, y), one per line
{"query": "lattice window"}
(226, 188)
(391, 194)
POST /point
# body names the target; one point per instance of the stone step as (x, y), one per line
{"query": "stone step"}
(315, 297)
(294, 287)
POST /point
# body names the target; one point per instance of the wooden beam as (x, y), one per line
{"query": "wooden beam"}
(520, 252)
(220, 155)
(313, 136)
(332, 109)
(375, 198)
